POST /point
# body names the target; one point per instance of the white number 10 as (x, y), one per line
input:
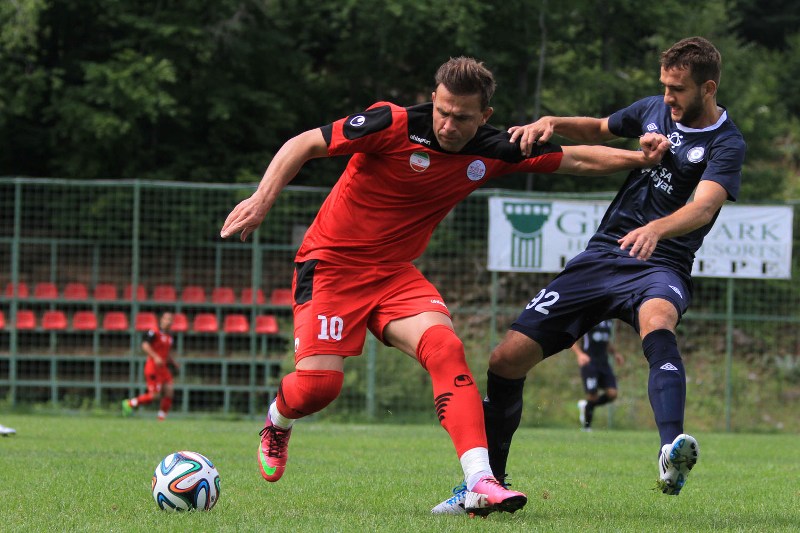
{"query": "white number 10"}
(330, 329)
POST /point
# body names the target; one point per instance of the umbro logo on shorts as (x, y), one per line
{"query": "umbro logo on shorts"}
(669, 366)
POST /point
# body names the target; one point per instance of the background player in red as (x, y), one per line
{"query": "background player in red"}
(354, 269)
(592, 351)
(157, 370)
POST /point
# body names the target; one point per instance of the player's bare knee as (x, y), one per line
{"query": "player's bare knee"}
(515, 356)
(611, 394)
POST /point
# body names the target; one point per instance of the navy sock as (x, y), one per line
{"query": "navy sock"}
(502, 411)
(590, 405)
(667, 384)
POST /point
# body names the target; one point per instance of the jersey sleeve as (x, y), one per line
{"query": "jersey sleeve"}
(725, 165)
(149, 337)
(627, 122)
(370, 131)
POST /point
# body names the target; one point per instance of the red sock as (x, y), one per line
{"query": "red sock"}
(166, 404)
(457, 400)
(304, 392)
(144, 399)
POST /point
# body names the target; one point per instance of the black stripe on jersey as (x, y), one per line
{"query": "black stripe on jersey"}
(489, 142)
(361, 124)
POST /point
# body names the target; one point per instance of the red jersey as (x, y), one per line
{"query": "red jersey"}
(160, 341)
(399, 183)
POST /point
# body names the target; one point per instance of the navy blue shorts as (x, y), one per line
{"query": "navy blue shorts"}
(594, 286)
(597, 376)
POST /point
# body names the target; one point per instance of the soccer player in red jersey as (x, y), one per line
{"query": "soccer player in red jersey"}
(157, 345)
(409, 167)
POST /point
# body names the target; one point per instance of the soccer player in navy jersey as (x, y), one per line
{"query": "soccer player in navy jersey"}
(592, 351)
(409, 167)
(637, 266)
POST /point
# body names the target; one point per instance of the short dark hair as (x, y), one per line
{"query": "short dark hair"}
(464, 76)
(696, 54)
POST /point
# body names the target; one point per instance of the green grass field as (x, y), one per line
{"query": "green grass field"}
(92, 473)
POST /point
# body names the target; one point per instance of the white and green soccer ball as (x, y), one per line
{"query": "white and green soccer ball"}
(185, 481)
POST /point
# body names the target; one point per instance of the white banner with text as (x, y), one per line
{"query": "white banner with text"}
(529, 235)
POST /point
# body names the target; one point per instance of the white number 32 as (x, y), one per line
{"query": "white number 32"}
(543, 301)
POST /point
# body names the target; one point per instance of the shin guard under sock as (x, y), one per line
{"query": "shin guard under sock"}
(590, 405)
(667, 384)
(144, 399)
(166, 404)
(305, 392)
(502, 410)
(456, 397)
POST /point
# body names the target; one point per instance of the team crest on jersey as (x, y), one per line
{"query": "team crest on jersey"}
(695, 155)
(476, 170)
(358, 121)
(419, 161)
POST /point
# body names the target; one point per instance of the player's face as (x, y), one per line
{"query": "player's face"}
(683, 96)
(456, 118)
(166, 321)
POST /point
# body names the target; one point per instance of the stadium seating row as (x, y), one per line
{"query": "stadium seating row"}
(118, 321)
(160, 293)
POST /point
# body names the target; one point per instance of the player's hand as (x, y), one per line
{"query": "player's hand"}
(245, 218)
(654, 146)
(619, 359)
(531, 134)
(583, 359)
(641, 241)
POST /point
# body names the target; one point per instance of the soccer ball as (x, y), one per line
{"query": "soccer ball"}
(184, 481)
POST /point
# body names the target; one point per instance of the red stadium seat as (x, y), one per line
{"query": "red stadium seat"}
(145, 321)
(248, 294)
(45, 290)
(54, 320)
(193, 294)
(115, 321)
(266, 325)
(164, 293)
(76, 291)
(281, 297)
(141, 292)
(26, 319)
(105, 291)
(223, 295)
(2, 320)
(84, 321)
(236, 323)
(21, 287)
(205, 323)
(179, 323)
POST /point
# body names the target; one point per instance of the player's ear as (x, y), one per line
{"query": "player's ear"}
(433, 96)
(709, 88)
(486, 114)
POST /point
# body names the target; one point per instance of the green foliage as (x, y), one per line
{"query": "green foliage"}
(208, 91)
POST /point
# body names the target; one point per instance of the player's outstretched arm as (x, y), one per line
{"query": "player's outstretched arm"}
(249, 213)
(585, 130)
(581, 356)
(600, 160)
(708, 199)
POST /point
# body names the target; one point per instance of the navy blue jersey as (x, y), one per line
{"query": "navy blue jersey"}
(595, 342)
(714, 153)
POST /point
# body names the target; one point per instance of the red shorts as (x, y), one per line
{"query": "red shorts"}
(334, 305)
(156, 376)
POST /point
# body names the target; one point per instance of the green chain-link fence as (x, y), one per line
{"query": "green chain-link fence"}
(85, 265)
